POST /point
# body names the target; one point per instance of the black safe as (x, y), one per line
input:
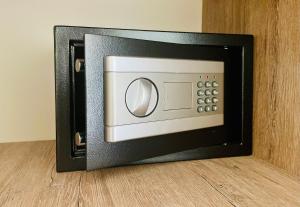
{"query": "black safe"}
(128, 97)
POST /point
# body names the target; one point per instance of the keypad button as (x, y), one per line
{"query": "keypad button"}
(215, 100)
(207, 84)
(200, 109)
(214, 108)
(200, 101)
(207, 100)
(200, 93)
(215, 84)
(207, 108)
(200, 84)
(207, 92)
(215, 92)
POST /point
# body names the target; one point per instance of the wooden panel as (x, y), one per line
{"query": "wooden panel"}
(276, 27)
(219, 16)
(28, 178)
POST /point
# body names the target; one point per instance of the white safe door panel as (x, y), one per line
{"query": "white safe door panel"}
(154, 96)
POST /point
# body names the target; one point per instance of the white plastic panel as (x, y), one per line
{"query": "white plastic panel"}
(160, 65)
(178, 107)
(143, 130)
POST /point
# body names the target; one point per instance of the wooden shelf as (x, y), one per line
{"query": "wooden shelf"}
(28, 178)
(276, 103)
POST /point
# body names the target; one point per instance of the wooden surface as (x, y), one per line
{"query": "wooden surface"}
(28, 178)
(276, 27)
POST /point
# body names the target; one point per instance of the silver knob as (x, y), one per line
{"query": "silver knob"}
(141, 97)
(79, 65)
(79, 139)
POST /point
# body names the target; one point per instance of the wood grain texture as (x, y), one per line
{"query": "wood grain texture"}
(28, 178)
(276, 27)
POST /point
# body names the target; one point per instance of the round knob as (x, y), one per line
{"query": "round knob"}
(141, 97)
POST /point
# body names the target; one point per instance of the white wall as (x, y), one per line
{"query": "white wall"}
(27, 110)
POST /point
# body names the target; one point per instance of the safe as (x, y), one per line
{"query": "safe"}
(127, 97)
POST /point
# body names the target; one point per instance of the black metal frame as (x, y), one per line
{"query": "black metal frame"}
(64, 35)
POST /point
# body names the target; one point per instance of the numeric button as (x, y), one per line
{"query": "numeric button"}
(200, 101)
(200, 93)
(207, 100)
(207, 108)
(215, 100)
(207, 92)
(215, 84)
(200, 109)
(214, 108)
(207, 84)
(215, 92)
(200, 84)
